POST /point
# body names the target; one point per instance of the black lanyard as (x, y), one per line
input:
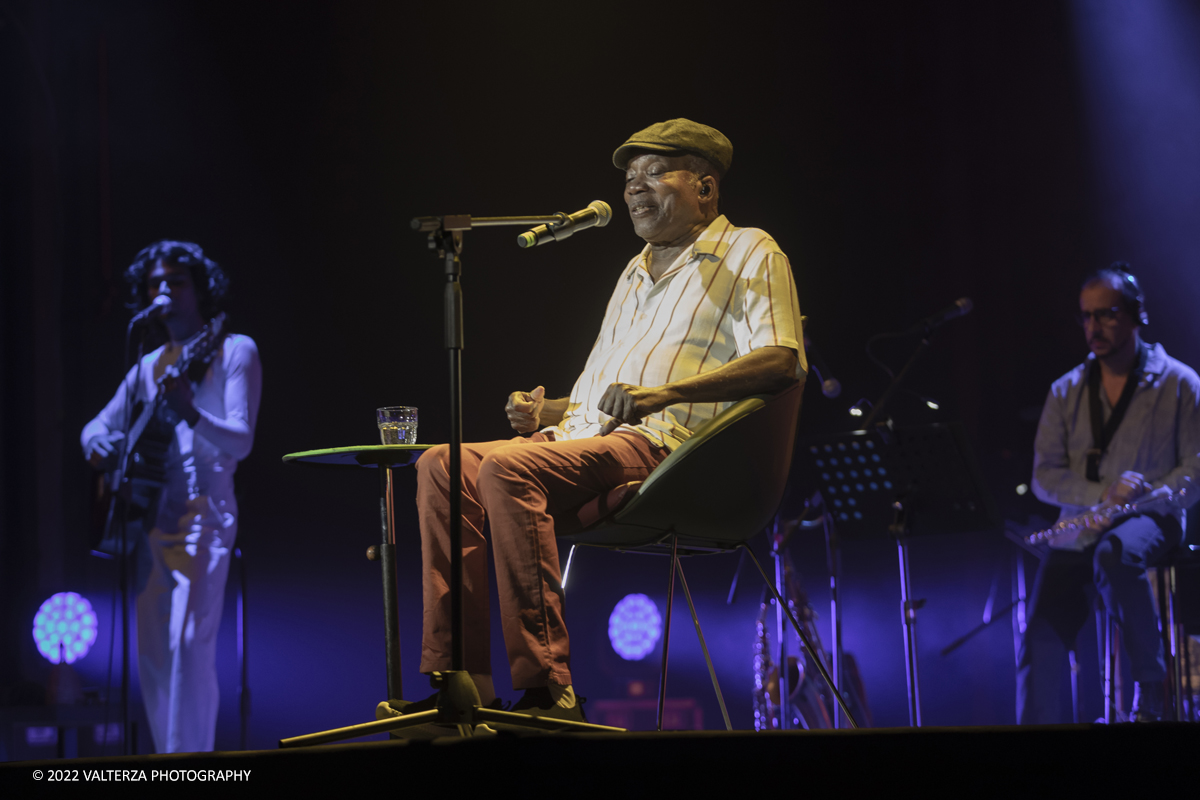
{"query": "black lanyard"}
(1102, 433)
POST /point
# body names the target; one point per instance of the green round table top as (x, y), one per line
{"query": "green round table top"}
(365, 455)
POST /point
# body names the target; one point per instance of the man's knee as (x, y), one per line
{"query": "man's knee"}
(434, 463)
(502, 465)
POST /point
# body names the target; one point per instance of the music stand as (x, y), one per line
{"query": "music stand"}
(901, 482)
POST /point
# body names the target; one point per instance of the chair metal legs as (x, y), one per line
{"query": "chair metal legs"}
(677, 567)
(712, 673)
(662, 679)
(1174, 644)
(1110, 671)
(1174, 652)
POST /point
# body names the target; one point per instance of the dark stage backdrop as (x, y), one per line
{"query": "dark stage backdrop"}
(902, 155)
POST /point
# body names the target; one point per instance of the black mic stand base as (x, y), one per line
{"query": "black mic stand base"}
(458, 713)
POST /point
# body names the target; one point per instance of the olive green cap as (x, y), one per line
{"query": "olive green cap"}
(678, 136)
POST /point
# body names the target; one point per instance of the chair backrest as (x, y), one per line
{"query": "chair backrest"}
(718, 488)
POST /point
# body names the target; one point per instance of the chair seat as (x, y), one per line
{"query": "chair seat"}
(711, 494)
(716, 490)
(603, 507)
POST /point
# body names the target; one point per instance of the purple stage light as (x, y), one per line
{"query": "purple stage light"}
(634, 627)
(64, 628)
(1140, 73)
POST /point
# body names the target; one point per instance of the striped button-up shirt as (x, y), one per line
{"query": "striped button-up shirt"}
(731, 293)
(1159, 436)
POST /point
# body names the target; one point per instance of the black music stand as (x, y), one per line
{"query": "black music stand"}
(901, 482)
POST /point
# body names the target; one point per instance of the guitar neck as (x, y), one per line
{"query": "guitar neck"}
(200, 346)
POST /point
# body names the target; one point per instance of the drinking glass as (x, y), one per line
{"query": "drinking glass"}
(397, 424)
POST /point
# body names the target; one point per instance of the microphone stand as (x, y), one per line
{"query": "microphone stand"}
(899, 530)
(128, 741)
(446, 237)
(458, 701)
(897, 379)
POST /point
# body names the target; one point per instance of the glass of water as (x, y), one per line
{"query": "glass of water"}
(397, 424)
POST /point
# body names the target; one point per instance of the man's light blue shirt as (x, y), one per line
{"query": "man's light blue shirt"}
(1159, 436)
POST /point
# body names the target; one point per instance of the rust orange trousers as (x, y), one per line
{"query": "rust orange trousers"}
(527, 489)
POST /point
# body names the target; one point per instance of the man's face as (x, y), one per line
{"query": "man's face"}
(1105, 336)
(663, 198)
(175, 281)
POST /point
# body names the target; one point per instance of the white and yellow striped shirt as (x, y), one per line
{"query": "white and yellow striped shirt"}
(732, 293)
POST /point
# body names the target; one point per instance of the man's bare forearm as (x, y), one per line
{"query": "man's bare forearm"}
(763, 371)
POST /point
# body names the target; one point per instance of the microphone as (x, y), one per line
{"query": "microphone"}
(961, 307)
(597, 214)
(831, 387)
(160, 306)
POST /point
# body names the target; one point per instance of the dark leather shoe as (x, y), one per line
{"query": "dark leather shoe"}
(538, 703)
(393, 709)
(413, 706)
(396, 707)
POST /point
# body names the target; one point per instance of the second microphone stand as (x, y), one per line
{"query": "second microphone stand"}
(900, 529)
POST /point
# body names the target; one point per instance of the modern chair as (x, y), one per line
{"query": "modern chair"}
(713, 493)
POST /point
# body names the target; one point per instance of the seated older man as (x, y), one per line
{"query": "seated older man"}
(705, 314)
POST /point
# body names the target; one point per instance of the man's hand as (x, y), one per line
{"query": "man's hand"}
(1125, 489)
(178, 395)
(629, 404)
(524, 409)
(102, 449)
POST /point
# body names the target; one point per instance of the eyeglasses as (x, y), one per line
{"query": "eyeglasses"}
(1099, 315)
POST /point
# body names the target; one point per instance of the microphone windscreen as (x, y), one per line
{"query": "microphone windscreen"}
(603, 212)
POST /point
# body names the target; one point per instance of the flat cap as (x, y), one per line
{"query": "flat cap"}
(678, 136)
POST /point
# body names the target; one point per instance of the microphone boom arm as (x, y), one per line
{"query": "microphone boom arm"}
(465, 222)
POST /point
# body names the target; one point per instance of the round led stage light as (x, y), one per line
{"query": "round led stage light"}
(634, 627)
(64, 628)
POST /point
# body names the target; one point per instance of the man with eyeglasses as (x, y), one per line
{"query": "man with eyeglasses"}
(1124, 423)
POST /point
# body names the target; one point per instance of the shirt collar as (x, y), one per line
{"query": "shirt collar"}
(1156, 359)
(712, 241)
(710, 244)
